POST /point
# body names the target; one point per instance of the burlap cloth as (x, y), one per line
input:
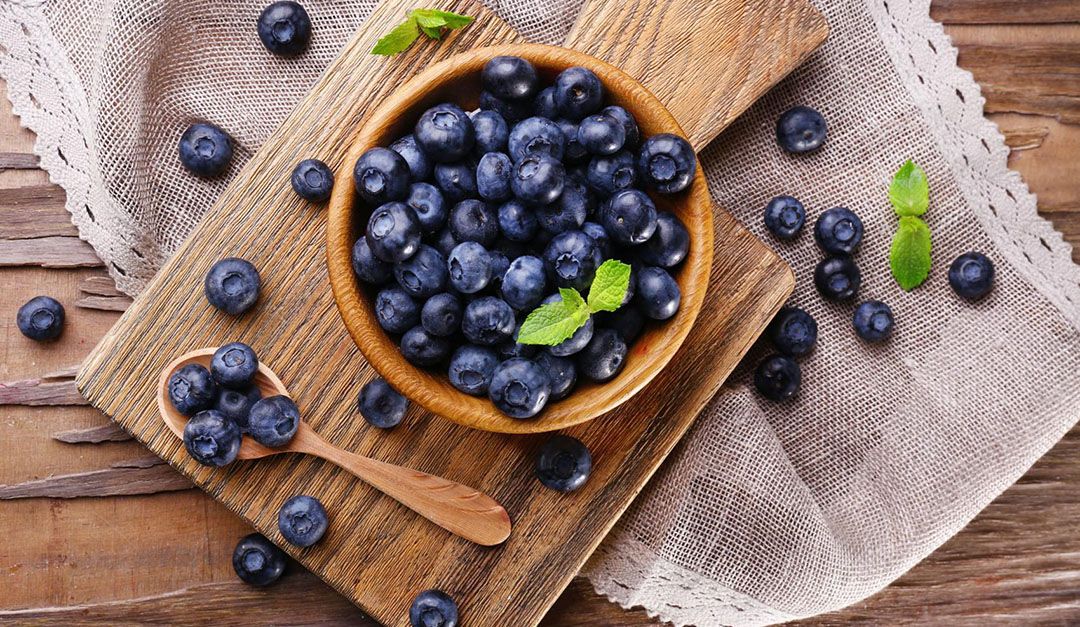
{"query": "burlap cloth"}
(766, 512)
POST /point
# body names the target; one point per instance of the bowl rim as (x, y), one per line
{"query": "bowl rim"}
(435, 394)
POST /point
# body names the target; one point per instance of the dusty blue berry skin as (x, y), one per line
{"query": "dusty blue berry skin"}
(423, 349)
(569, 211)
(285, 28)
(837, 278)
(523, 283)
(561, 371)
(369, 268)
(232, 285)
(563, 464)
(456, 180)
(419, 163)
(393, 232)
(544, 106)
(600, 236)
(519, 388)
(657, 294)
(603, 357)
(777, 377)
(608, 174)
(517, 222)
(302, 520)
(424, 274)
(971, 275)
(576, 342)
(474, 221)
(488, 321)
(873, 321)
(626, 321)
(41, 318)
(471, 368)
(445, 133)
(493, 177)
(470, 267)
(433, 608)
(512, 111)
(629, 124)
(205, 150)
(538, 179)
(793, 332)
(236, 404)
(381, 405)
(312, 180)
(578, 93)
(601, 134)
(666, 163)
(395, 310)
(536, 136)
(211, 439)
(784, 217)
(800, 129)
(838, 231)
(273, 421)
(629, 217)
(571, 259)
(574, 153)
(191, 389)
(669, 245)
(257, 561)
(381, 175)
(510, 78)
(430, 207)
(441, 314)
(492, 132)
(444, 241)
(234, 365)
(500, 263)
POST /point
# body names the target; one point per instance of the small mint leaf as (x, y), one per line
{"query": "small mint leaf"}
(571, 298)
(609, 286)
(909, 191)
(909, 258)
(447, 19)
(398, 39)
(550, 324)
(431, 31)
(424, 18)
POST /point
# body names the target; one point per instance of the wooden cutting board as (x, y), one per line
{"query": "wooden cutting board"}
(707, 61)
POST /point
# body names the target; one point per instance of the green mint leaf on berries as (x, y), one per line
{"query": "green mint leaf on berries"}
(609, 286)
(909, 191)
(550, 324)
(909, 257)
(430, 21)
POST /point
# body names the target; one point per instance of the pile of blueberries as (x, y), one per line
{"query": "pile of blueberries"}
(478, 218)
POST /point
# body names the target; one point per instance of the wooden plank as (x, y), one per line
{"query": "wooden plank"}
(1005, 11)
(93, 435)
(126, 478)
(34, 211)
(48, 252)
(18, 161)
(57, 388)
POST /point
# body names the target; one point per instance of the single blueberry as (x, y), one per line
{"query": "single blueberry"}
(561, 371)
(544, 106)
(488, 321)
(312, 180)
(428, 204)
(873, 321)
(600, 236)
(784, 217)
(457, 180)
(433, 608)
(419, 162)
(441, 314)
(800, 129)
(666, 163)
(493, 177)
(205, 150)
(470, 267)
(510, 78)
(571, 259)
(657, 294)
(474, 221)
(191, 389)
(777, 378)
(569, 211)
(517, 222)
(971, 275)
(444, 241)
(837, 277)
(393, 232)
(285, 28)
(793, 332)
(519, 388)
(445, 133)
(512, 348)
(511, 110)
(626, 321)
(381, 405)
(669, 245)
(234, 365)
(381, 175)
(603, 357)
(574, 152)
(471, 368)
(538, 179)
(838, 231)
(236, 404)
(424, 274)
(232, 285)
(629, 124)
(273, 421)
(523, 283)
(302, 520)
(212, 439)
(629, 217)
(41, 318)
(368, 267)
(578, 93)
(257, 561)
(563, 464)
(601, 134)
(536, 136)
(395, 310)
(608, 174)
(423, 349)
(492, 132)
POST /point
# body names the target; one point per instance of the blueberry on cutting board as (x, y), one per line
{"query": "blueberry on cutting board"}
(302, 520)
(312, 180)
(232, 285)
(563, 464)
(381, 405)
(433, 608)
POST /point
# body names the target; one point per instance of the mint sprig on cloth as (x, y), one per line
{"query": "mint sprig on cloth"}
(909, 256)
(550, 324)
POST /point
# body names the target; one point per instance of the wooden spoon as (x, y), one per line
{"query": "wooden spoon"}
(459, 509)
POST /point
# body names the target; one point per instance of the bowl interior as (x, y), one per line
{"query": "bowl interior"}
(458, 80)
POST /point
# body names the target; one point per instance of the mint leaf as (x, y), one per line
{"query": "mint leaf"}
(909, 191)
(909, 257)
(550, 324)
(609, 286)
(431, 21)
(571, 298)
(397, 40)
(445, 18)
(431, 31)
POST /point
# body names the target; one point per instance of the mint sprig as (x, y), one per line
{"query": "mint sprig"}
(550, 324)
(909, 256)
(429, 21)
(909, 191)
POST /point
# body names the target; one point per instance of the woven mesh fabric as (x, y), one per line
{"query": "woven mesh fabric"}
(765, 512)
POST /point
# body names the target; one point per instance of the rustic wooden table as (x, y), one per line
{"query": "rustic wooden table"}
(95, 530)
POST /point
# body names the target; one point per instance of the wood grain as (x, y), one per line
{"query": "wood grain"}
(1005, 11)
(124, 478)
(93, 435)
(49, 389)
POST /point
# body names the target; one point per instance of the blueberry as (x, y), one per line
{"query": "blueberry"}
(838, 231)
(381, 175)
(212, 439)
(523, 283)
(236, 404)
(626, 321)
(234, 365)
(569, 211)
(536, 136)
(873, 321)
(608, 174)
(629, 124)
(837, 277)
(470, 267)
(419, 162)
(793, 332)
(423, 349)
(576, 342)
(600, 236)
(800, 129)
(493, 177)
(441, 314)
(433, 608)
(445, 133)
(424, 274)
(574, 152)
(784, 217)
(578, 93)
(393, 232)
(257, 561)
(657, 294)
(474, 221)
(666, 163)
(205, 150)
(510, 78)
(629, 217)
(457, 180)
(538, 179)
(368, 267)
(971, 275)
(285, 29)
(488, 321)
(232, 285)
(500, 263)
(444, 241)
(603, 357)
(428, 204)
(395, 310)
(511, 110)
(302, 520)
(544, 106)
(777, 378)
(561, 371)
(191, 389)
(571, 259)
(273, 421)
(669, 245)
(601, 134)
(381, 405)
(512, 348)
(312, 180)
(517, 222)
(519, 388)
(471, 368)
(41, 318)
(492, 132)
(563, 464)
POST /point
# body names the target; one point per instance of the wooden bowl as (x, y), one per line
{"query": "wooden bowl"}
(457, 79)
